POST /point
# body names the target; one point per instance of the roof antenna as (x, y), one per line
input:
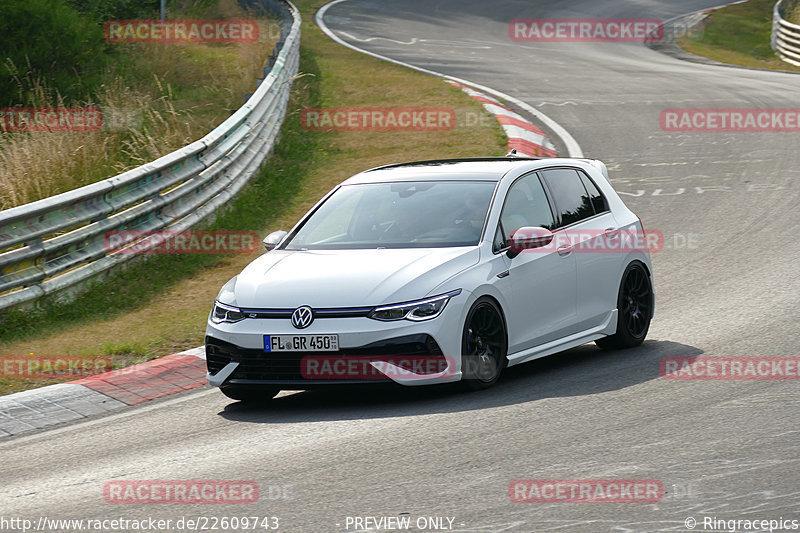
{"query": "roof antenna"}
(512, 153)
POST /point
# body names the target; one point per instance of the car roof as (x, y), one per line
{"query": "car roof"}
(465, 169)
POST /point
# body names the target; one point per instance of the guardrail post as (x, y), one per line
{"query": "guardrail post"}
(776, 17)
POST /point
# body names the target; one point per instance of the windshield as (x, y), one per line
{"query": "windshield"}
(421, 214)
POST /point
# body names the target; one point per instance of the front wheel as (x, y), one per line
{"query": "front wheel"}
(634, 309)
(484, 345)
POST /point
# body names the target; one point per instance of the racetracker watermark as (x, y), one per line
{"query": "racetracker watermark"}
(586, 491)
(378, 119)
(53, 366)
(536, 240)
(50, 119)
(731, 368)
(180, 242)
(585, 30)
(180, 492)
(122, 119)
(707, 120)
(409, 367)
(181, 31)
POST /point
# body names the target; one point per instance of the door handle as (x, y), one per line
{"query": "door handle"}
(564, 250)
(611, 233)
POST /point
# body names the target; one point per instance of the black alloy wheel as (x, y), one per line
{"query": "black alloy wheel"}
(484, 345)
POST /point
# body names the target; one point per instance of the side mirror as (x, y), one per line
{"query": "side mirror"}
(528, 238)
(273, 239)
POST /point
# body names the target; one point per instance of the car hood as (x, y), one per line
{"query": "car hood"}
(348, 278)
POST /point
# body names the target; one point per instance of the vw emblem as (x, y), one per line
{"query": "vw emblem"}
(302, 317)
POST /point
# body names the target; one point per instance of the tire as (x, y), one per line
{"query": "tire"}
(635, 309)
(484, 345)
(249, 394)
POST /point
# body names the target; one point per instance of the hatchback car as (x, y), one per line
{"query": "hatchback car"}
(434, 272)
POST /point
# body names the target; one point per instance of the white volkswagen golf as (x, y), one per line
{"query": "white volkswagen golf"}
(434, 272)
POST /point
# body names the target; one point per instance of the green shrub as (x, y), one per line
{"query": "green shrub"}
(793, 13)
(47, 39)
(104, 10)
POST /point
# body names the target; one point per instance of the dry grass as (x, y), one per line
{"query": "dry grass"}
(169, 96)
(137, 129)
(793, 14)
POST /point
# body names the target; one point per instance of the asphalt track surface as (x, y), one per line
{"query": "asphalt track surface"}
(726, 286)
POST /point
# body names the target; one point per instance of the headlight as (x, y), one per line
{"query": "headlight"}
(417, 311)
(225, 313)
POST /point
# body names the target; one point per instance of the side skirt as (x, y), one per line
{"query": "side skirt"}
(607, 327)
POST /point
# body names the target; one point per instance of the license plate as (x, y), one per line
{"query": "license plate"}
(301, 343)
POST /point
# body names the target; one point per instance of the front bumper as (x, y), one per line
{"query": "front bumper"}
(235, 352)
(408, 360)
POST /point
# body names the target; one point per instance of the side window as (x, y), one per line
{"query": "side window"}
(598, 201)
(572, 201)
(526, 205)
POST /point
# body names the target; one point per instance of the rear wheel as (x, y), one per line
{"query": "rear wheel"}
(249, 394)
(634, 309)
(484, 345)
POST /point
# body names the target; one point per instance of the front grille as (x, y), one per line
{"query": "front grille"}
(334, 312)
(259, 365)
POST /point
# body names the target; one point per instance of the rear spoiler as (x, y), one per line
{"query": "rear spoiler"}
(600, 166)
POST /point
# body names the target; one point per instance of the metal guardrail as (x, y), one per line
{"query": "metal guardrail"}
(58, 242)
(785, 35)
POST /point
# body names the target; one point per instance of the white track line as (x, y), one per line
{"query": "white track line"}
(573, 148)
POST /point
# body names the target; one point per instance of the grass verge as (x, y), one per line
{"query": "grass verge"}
(738, 35)
(793, 16)
(159, 305)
